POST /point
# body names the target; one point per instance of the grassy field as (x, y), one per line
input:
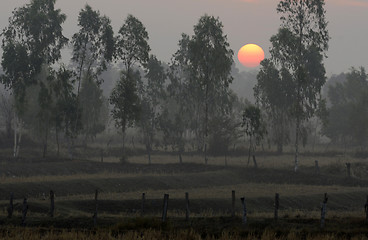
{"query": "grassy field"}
(209, 186)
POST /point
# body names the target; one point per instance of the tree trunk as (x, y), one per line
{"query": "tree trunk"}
(250, 150)
(19, 140)
(69, 147)
(206, 127)
(45, 144)
(255, 161)
(297, 145)
(57, 141)
(180, 158)
(15, 135)
(8, 129)
(280, 148)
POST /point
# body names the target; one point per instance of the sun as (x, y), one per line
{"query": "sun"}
(250, 55)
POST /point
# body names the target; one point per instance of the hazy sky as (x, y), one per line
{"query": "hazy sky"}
(245, 21)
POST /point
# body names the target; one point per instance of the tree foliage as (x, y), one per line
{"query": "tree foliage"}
(210, 60)
(132, 47)
(297, 53)
(348, 114)
(33, 37)
(93, 44)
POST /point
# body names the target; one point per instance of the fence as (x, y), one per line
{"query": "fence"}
(165, 207)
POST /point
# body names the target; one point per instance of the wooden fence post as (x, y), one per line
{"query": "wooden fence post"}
(24, 211)
(323, 210)
(164, 210)
(277, 204)
(102, 155)
(187, 212)
(11, 206)
(244, 210)
(348, 165)
(143, 202)
(52, 203)
(366, 209)
(233, 203)
(96, 207)
(316, 167)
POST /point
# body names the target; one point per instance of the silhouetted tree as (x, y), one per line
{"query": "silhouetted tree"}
(348, 114)
(297, 52)
(151, 99)
(33, 38)
(254, 128)
(132, 49)
(126, 103)
(272, 92)
(210, 61)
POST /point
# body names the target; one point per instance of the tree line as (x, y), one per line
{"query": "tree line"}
(187, 98)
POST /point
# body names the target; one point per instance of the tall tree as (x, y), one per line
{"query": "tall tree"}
(6, 110)
(272, 92)
(297, 51)
(93, 45)
(348, 114)
(33, 38)
(210, 61)
(255, 129)
(151, 99)
(126, 103)
(94, 116)
(132, 46)
(132, 49)
(66, 107)
(175, 117)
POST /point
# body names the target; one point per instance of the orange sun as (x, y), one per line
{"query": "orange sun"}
(250, 55)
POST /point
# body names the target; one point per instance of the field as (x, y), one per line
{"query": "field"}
(120, 187)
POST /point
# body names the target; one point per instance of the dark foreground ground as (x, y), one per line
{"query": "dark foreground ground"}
(119, 217)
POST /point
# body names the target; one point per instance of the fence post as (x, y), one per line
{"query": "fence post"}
(323, 210)
(52, 203)
(166, 203)
(244, 211)
(316, 167)
(366, 209)
(143, 202)
(11, 206)
(102, 155)
(233, 203)
(24, 211)
(348, 165)
(187, 211)
(96, 207)
(277, 204)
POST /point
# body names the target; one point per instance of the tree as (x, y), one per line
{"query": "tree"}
(66, 107)
(40, 104)
(210, 65)
(297, 52)
(126, 103)
(33, 38)
(348, 115)
(93, 49)
(131, 49)
(272, 92)
(6, 109)
(175, 117)
(94, 105)
(254, 128)
(153, 95)
(93, 45)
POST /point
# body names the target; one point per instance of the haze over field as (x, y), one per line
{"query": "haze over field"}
(245, 21)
